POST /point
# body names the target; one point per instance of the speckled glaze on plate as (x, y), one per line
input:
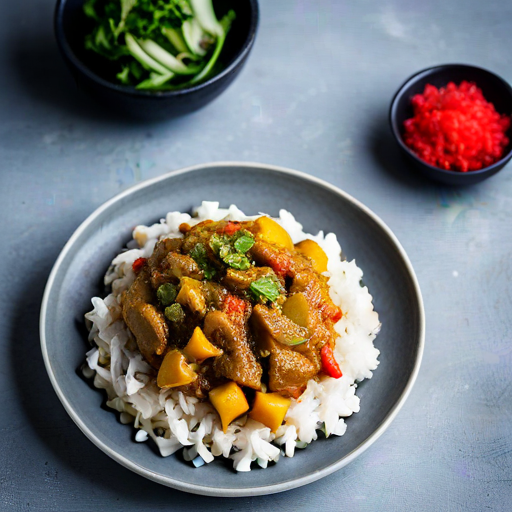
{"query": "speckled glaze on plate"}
(77, 276)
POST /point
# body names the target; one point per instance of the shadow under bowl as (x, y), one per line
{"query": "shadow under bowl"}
(495, 90)
(94, 75)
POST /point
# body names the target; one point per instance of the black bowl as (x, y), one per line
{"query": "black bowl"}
(495, 89)
(91, 72)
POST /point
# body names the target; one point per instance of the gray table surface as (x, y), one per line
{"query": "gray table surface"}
(314, 97)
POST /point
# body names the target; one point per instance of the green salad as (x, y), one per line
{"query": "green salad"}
(158, 44)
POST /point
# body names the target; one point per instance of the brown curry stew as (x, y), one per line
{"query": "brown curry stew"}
(231, 309)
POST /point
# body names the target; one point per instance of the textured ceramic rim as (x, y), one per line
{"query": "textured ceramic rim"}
(395, 129)
(249, 491)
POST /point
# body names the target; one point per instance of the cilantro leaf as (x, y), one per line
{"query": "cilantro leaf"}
(244, 243)
(217, 242)
(200, 256)
(237, 261)
(264, 288)
(231, 249)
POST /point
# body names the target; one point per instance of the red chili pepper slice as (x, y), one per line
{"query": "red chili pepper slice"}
(331, 312)
(138, 264)
(329, 364)
(336, 316)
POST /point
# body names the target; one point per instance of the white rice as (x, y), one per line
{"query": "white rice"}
(176, 421)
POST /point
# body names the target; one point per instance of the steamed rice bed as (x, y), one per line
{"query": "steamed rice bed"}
(174, 420)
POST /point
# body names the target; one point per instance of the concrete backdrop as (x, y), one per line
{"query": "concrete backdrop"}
(314, 96)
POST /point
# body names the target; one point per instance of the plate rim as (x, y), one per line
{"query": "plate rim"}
(227, 491)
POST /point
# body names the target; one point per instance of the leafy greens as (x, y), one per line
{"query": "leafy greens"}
(200, 256)
(158, 44)
(231, 249)
(264, 288)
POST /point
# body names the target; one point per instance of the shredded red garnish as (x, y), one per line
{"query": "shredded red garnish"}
(456, 128)
(329, 365)
(230, 228)
(138, 264)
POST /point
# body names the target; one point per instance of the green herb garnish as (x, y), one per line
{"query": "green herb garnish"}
(264, 288)
(175, 313)
(167, 293)
(217, 242)
(157, 44)
(200, 256)
(237, 261)
(231, 249)
(244, 243)
(225, 251)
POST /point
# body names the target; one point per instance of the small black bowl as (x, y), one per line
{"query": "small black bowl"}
(91, 71)
(495, 90)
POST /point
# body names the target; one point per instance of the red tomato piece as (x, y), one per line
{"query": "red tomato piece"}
(234, 305)
(230, 228)
(281, 264)
(138, 264)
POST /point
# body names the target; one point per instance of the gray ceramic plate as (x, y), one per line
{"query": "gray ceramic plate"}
(77, 276)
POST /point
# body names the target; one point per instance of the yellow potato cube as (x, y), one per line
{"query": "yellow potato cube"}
(270, 231)
(175, 371)
(315, 253)
(230, 402)
(296, 308)
(199, 348)
(270, 409)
